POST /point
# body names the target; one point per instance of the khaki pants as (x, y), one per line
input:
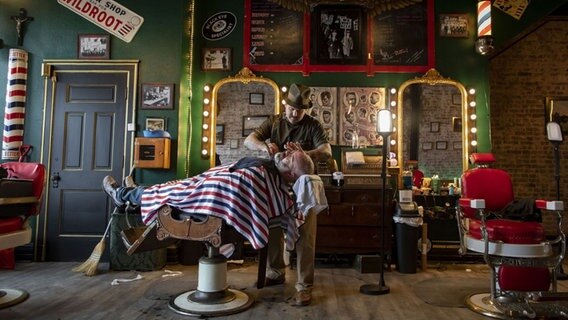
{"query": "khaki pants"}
(305, 253)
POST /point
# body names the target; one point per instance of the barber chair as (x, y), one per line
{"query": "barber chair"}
(521, 260)
(20, 198)
(212, 297)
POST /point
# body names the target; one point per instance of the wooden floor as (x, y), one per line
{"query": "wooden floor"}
(58, 293)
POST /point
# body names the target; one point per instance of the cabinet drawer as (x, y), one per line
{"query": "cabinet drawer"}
(362, 196)
(344, 215)
(333, 195)
(350, 237)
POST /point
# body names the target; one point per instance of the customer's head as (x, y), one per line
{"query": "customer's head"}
(293, 163)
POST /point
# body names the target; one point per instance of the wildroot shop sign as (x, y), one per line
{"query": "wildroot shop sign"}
(107, 14)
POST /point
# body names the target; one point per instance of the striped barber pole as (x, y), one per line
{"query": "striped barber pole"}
(483, 18)
(14, 113)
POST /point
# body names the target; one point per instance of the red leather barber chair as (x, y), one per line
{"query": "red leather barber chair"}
(521, 260)
(20, 198)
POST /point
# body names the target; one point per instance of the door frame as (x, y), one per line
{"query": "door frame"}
(48, 72)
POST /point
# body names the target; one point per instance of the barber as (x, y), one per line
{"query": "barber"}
(272, 136)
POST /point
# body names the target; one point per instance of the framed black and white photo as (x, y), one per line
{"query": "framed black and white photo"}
(220, 134)
(457, 124)
(93, 46)
(252, 122)
(427, 146)
(216, 59)
(441, 145)
(454, 25)
(155, 124)
(256, 98)
(434, 127)
(157, 96)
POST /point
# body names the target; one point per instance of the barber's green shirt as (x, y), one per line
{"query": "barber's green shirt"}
(308, 133)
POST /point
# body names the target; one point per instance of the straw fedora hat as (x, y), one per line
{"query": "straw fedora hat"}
(299, 97)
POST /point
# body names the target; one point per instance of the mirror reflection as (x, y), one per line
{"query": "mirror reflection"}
(432, 117)
(239, 104)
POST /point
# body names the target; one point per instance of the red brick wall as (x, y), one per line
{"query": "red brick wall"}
(521, 78)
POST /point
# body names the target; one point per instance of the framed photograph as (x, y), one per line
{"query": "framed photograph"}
(434, 127)
(427, 146)
(358, 107)
(220, 134)
(457, 145)
(556, 110)
(457, 99)
(155, 124)
(457, 124)
(252, 122)
(454, 25)
(157, 96)
(256, 98)
(93, 46)
(324, 108)
(216, 59)
(339, 35)
(441, 145)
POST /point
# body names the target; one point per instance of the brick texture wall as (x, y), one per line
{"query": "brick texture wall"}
(521, 78)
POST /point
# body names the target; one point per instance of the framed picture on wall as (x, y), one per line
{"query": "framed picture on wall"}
(434, 127)
(427, 146)
(155, 124)
(556, 110)
(157, 96)
(216, 59)
(324, 108)
(454, 25)
(252, 122)
(220, 134)
(358, 115)
(256, 98)
(441, 145)
(457, 124)
(93, 46)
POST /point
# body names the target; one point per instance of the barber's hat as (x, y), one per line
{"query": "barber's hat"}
(299, 97)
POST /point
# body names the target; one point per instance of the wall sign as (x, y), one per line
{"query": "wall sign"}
(219, 25)
(109, 15)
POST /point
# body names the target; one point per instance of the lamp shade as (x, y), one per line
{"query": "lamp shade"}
(554, 132)
(384, 123)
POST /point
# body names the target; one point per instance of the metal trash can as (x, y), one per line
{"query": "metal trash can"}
(407, 225)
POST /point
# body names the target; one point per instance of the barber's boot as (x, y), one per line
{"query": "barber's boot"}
(129, 182)
(109, 186)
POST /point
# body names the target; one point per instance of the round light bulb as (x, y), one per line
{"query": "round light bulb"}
(206, 100)
(472, 104)
(472, 91)
(393, 90)
(393, 103)
(473, 116)
(474, 130)
(205, 126)
(393, 142)
(207, 88)
(284, 89)
(205, 139)
(204, 152)
(474, 143)
(206, 113)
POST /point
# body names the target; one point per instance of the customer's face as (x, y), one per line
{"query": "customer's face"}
(286, 162)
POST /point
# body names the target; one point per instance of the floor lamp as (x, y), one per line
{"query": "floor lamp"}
(555, 136)
(384, 128)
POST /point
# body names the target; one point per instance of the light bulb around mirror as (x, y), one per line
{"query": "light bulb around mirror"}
(206, 88)
(204, 152)
(393, 142)
(471, 91)
(474, 143)
(205, 139)
(473, 116)
(474, 130)
(472, 104)
(284, 89)
(393, 90)
(206, 113)
(393, 103)
(206, 100)
(205, 126)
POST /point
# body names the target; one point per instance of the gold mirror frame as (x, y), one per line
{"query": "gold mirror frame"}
(433, 77)
(208, 138)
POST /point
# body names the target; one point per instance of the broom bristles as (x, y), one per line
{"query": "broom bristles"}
(89, 267)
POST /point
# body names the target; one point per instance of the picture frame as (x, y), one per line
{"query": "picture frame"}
(159, 96)
(556, 110)
(252, 122)
(457, 99)
(441, 145)
(220, 134)
(427, 146)
(324, 108)
(457, 124)
(457, 145)
(93, 46)
(155, 124)
(454, 25)
(434, 127)
(256, 98)
(216, 59)
(358, 115)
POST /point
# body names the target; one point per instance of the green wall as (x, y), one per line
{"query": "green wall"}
(162, 45)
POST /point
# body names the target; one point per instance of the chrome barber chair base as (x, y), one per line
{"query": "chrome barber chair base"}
(481, 303)
(183, 304)
(10, 297)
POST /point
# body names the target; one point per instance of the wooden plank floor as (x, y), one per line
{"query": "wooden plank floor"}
(58, 293)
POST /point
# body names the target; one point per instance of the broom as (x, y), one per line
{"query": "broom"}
(89, 267)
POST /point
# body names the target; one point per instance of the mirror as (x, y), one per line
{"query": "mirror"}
(232, 109)
(433, 124)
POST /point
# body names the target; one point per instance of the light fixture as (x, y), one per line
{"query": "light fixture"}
(384, 128)
(484, 43)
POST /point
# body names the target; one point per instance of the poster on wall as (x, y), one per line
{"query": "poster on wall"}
(324, 108)
(108, 15)
(358, 115)
(514, 8)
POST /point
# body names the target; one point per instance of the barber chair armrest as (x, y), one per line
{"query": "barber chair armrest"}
(16, 238)
(550, 205)
(472, 203)
(18, 200)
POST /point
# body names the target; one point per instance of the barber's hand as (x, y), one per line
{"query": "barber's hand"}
(293, 146)
(271, 148)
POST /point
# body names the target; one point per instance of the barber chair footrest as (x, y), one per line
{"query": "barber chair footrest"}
(11, 297)
(183, 304)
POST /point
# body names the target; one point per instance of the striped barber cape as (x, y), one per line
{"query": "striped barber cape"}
(247, 199)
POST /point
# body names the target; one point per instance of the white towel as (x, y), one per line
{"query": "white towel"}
(310, 194)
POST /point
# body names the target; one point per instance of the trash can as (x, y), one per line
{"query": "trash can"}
(407, 224)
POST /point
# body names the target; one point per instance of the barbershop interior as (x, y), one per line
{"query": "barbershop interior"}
(405, 161)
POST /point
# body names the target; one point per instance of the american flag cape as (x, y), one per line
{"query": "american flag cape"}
(247, 199)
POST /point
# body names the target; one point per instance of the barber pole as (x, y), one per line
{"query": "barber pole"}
(14, 112)
(483, 18)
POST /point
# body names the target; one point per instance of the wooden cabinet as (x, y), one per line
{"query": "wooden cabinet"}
(353, 221)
